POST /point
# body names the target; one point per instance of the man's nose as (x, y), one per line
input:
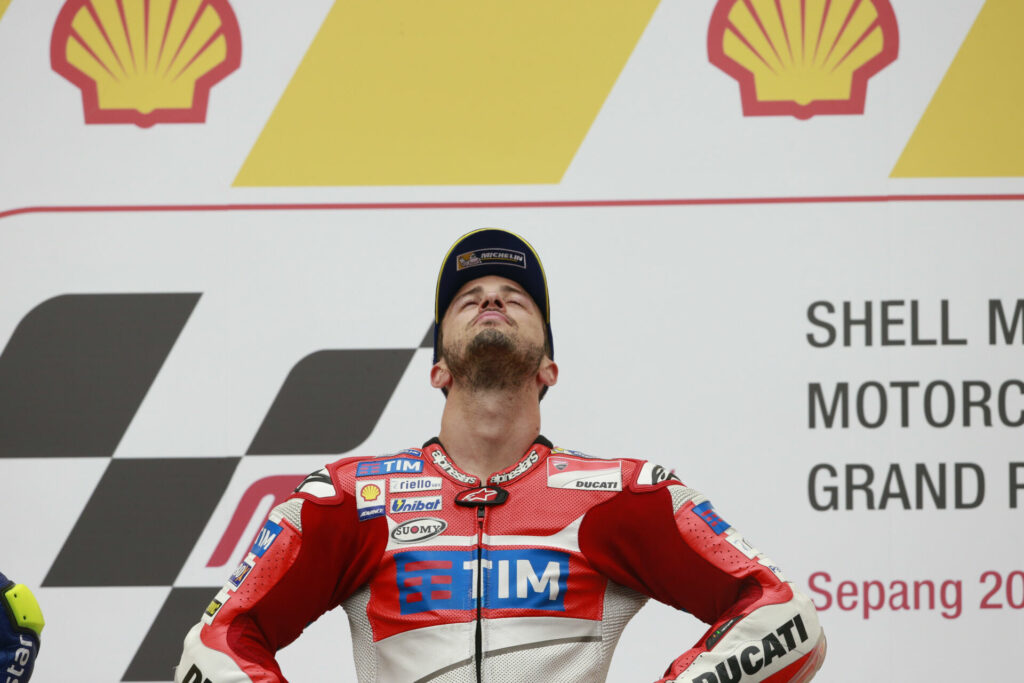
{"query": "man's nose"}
(492, 300)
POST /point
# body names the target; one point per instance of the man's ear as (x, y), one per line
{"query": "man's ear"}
(547, 373)
(440, 375)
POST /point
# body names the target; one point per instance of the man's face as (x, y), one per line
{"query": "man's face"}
(492, 335)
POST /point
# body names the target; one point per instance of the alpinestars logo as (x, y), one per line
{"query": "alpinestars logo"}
(524, 465)
(442, 461)
(73, 375)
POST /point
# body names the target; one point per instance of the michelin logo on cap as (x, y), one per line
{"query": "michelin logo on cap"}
(482, 257)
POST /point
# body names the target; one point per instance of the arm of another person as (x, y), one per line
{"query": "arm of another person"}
(21, 626)
(666, 541)
(310, 555)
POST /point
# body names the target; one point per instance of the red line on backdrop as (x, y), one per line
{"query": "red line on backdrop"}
(550, 204)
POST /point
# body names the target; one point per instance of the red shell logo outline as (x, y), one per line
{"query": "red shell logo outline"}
(187, 45)
(785, 17)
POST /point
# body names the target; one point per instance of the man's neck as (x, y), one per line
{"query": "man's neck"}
(486, 432)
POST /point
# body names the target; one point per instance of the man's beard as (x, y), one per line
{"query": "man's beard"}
(493, 361)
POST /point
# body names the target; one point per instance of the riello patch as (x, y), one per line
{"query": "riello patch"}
(414, 484)
(584, 474)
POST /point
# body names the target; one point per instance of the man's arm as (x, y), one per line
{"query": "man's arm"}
(310, 555)
(21, 626)
(666, 541)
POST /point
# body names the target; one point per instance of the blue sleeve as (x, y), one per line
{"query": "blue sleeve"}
(21, 623)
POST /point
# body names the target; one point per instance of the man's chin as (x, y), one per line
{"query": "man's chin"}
(493, 361)
(491, 336)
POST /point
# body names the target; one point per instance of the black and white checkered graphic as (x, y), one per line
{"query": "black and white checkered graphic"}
(72, 377)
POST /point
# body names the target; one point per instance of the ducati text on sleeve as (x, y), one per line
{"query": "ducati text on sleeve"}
(756, 656)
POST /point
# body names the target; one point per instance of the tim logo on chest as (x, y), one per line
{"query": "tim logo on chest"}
(515, 579)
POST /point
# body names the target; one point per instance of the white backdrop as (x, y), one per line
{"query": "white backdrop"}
(681, 330)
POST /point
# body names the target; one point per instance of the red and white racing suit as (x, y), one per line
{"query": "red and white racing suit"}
(529, 576)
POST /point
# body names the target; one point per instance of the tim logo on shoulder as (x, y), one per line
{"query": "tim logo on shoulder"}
(707, 513)
(265, 538)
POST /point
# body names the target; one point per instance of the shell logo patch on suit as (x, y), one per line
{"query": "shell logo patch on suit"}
(145, 62)
(802, 57)
(369, 492)
(370, 499)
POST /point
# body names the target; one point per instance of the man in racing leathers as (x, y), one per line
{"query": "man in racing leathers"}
(490, 555)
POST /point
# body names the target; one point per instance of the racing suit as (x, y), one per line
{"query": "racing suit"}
(531, 575)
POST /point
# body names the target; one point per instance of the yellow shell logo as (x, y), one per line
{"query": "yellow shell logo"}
(802, 57)
(145, 61)
(370, 492)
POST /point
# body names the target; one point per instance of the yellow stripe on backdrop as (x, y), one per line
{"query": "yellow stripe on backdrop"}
(973, 125)
(3, 7)
(465, 92)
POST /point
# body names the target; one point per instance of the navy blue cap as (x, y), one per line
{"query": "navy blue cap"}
(490, 252)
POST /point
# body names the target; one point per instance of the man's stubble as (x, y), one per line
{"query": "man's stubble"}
(493, 361)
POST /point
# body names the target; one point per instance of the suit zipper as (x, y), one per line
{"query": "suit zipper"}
(479, 593)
